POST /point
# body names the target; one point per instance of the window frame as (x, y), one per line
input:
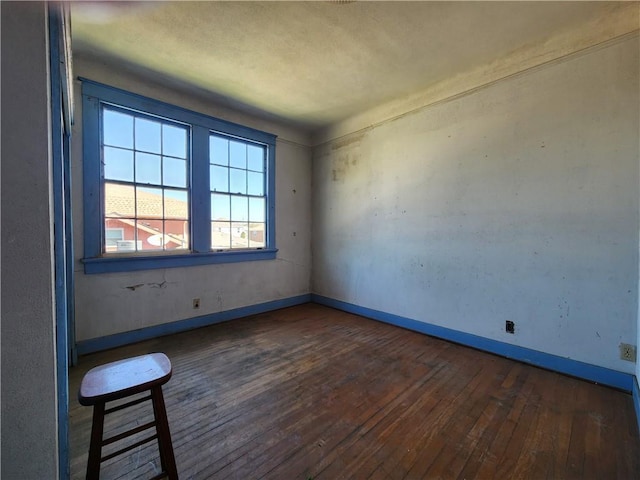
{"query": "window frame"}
(95, 94)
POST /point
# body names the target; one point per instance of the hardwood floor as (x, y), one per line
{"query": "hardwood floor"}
(311, 392)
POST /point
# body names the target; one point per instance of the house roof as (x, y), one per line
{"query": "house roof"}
(122, 200)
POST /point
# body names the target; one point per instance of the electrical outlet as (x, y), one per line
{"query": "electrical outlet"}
(196, 303)
(510, 327)
(628, 352)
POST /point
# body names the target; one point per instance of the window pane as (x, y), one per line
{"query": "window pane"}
(220, 207)
(257, 235)
(176, 204)
(239, 235)
(119, 200)
(255, 183)
(118, 164)
(113, 233)
(255, 158)
(256, 210)
(117, 129)
(149, 202)
(237, 181)
(120, 235)
(174, 141)
(220, 235)
(239, 209)
(148, 168)
(237, 154)
(174, 172)
(218, 150)
(219, 178)
(147, 135)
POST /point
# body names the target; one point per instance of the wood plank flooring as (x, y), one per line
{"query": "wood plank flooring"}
(310, 392)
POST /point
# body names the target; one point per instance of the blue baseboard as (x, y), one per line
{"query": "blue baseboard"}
(593, 373)
(636, 400)
(119, 339)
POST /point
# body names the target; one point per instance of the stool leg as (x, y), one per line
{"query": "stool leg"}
(95, 447)
(164, 435)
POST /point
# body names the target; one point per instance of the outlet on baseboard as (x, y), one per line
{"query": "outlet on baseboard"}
(628, 352)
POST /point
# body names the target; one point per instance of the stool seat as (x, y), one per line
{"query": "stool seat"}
(124, 378)
(118, 380)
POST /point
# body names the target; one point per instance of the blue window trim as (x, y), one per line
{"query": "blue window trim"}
(93, 95)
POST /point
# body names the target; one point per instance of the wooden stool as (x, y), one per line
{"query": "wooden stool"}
(122, 379)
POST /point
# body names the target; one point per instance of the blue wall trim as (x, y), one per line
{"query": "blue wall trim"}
(636, 400)
(125, 338)
(61, 217)
(594, 373)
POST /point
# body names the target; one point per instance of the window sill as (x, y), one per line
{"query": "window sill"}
(134, 263)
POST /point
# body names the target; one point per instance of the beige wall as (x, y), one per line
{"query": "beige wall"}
(104, 305)
(518, 202)
(29, 416)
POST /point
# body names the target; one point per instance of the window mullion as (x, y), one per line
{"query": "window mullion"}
(200, 193)
(270, 172)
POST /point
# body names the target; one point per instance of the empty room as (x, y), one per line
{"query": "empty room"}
(320, 240)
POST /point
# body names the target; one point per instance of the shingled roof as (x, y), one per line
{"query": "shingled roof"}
(120, 201)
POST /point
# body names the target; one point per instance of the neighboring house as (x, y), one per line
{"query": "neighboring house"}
(149, 232)
(134, 221)
(222, 230)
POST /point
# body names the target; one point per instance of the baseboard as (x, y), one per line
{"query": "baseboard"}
(594, 373)
(636, 400)
(119, 339)
(567, 366)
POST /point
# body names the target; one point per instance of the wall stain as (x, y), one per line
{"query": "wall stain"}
(343, 161)
(338, 144)
(341, 164)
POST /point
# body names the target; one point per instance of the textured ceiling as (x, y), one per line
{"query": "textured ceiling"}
(315, 63)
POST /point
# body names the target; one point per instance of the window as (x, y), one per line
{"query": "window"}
(167, 187)
(145, 190)
(238, 199)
